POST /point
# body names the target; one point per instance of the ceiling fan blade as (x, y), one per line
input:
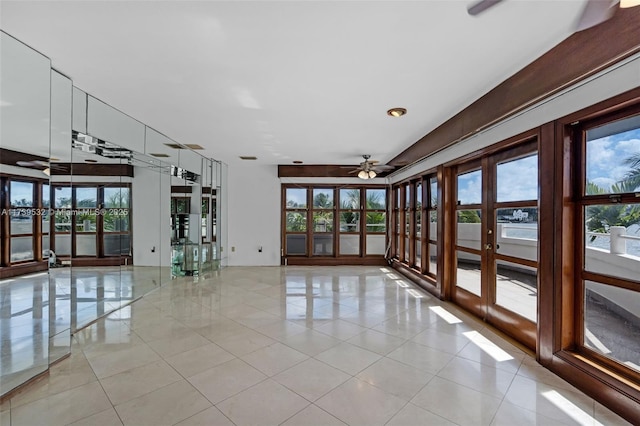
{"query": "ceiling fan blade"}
(596, 12)
(354, 171)
(382, 167)
(481, 6)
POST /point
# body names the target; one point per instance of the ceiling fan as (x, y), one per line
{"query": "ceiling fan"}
(369, 169)
(44, 166)
(595, 11)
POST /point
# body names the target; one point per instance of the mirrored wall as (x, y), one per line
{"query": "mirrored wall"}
(97, 208)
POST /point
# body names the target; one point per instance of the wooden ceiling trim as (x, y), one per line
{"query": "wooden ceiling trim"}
(324, 170)
(576, 58)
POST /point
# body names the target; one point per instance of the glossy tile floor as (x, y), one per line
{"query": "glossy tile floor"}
(297, 346)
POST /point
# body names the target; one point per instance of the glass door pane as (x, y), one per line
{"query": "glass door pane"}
(515, 251)
(322, 221)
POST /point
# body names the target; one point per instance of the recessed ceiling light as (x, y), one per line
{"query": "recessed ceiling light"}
(397, 112)
(159, 155)
(248, 157)
(297, 162)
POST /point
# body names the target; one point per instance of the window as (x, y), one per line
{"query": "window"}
(295, 221)
(91, 221)
(350, 220)
(25, 219)
(609, 225)
(330, 222)
(116, 221)
(22, 223)
(415, 220)
(376, 221)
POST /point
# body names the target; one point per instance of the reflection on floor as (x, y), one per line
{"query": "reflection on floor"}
(294, 346)
(24, 328)
(29, 315)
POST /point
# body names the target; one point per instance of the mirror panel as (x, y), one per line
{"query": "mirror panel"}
(59, 276)
(25, 77)
(79, 110)
(93, 191)
(109, 124)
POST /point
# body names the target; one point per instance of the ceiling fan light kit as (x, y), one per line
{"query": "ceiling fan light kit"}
(367, 174)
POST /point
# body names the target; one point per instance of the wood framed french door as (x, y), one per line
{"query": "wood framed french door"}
(495, 250)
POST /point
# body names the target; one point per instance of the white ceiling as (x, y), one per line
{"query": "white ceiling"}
(289, 80)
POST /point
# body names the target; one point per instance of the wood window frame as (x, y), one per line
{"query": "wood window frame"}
(336, 258)
(561, 310)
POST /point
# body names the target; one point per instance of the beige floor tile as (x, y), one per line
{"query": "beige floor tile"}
(220, 329)
(281, 329)
(395, 378)
(376, 341)
(421, 357)
(199, 359)
(165, 406)
(457, 403)
(108, 364)
(312, 379)
(267, 403)
(104, 337)
(186, 341)
(310, 342)
(509, 415)
(358, 403)
(104, 418)
(225, 380)
(313, 416)
(274, 358)
(349, 358)
(494, 356)
(480, 377)
(275, 334)
(62, 408)
(441, 341)
(139, 381)
(556, 403)
(65, 375)
(245, 342)
(399, 328)
(341, 329)
(167, 329)
(412, 415)
(209, 417)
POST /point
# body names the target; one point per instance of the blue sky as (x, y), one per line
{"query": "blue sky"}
(517, 180)
(21, 190)
(605, 157)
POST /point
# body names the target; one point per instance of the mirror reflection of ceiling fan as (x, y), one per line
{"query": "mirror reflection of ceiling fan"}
(595, 11)
(44, 166)
(368, 169)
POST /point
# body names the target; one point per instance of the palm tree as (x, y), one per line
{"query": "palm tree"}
(631, 180)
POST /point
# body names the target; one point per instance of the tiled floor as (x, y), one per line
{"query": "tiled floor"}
(297, 346)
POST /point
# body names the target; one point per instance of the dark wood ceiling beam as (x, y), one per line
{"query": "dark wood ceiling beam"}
(576, 58)
(324, 170)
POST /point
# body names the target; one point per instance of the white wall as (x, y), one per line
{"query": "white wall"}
(254, 215)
